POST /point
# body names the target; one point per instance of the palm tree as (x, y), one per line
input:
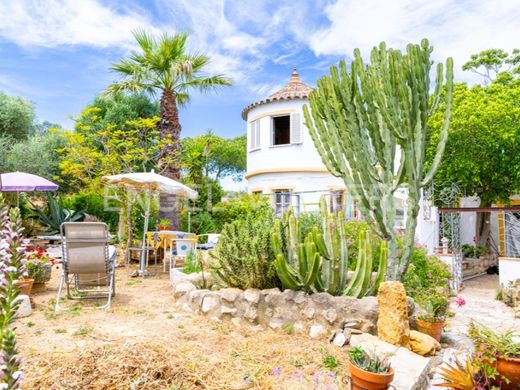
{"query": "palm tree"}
(162, 66)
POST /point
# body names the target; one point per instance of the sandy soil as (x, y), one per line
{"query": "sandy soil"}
(144, 342)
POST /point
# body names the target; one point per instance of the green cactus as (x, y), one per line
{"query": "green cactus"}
(320, 262)
(332, 245)
(298, 265)
(369, 125)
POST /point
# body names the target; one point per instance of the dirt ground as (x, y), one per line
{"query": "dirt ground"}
(145, 342)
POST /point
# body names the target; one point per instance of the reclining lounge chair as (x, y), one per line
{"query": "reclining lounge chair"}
(86, 262)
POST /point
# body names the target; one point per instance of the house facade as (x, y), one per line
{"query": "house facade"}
(282, 161)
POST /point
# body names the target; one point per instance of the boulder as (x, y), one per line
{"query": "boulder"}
(423, 344)
(392, 323)
(230, 294)
(316, 330)
(183, 288)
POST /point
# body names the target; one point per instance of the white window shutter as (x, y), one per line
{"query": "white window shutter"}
(296, 129)
(252, 137)
(257, 128)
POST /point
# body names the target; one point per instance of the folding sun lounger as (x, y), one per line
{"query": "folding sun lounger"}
(86, 262)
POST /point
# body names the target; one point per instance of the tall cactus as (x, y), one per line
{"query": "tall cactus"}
(369, 125)
(332, 245)
(298, 264)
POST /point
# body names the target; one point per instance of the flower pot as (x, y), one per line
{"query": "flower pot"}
(44, 275)
(163, 227)
(366, 380)
(509, 368)
(25, 286)
(433, 329)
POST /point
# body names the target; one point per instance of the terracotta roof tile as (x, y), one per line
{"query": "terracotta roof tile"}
(294, 89)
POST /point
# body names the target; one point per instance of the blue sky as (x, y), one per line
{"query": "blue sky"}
(57, 52)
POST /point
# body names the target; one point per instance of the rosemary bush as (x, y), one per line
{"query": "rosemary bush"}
(244, 253)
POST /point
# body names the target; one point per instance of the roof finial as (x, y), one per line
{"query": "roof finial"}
(295, 78)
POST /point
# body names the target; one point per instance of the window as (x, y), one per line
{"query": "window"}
(254, 135)
(282, 200)
(337, 201)
(286, 129)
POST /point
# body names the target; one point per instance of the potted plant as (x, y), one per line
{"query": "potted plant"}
(39, 265)
(434, 308)
(498, 354)
(368, 371)
(164, 224)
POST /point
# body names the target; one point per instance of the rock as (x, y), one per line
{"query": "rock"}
(392, 323)
(330, 315)
(183, 288)
(298, 327)
(308, 312)
(340, 340)
(299, 297)
(236, 321)
(210, 302)
(227, 310)
(24, 309)
(423, 344)
(230, 294)
(251, 313)
(316, 331)
(276, 323)
(348, 334)
(411, 370)
(457, 341)
(252, 295)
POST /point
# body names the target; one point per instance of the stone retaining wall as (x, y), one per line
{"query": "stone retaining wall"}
(315, 313)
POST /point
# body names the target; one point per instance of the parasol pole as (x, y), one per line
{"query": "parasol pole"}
(142, 268)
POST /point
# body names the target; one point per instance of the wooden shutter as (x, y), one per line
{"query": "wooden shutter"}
(296, 129)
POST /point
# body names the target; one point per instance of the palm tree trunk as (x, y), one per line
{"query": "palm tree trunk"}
(170, 134)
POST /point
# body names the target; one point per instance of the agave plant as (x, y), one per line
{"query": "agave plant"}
(54, 215)
(459, 375)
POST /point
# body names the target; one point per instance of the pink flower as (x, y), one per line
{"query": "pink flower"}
(459, 301)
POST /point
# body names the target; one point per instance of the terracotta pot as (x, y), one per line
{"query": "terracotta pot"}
(509, 368)
(366, 380)
(164, 227)
(25, 286)
(433, 329)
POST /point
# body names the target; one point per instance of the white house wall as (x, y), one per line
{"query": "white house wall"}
(281, 156)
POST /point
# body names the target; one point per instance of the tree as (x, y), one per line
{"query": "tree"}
(494, 64)
(16, 116)
(162, 66)
(213, 157)
(483, 151)
(37, 155)
(369, 125)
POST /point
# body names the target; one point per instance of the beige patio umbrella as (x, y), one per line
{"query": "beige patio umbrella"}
(151, 183)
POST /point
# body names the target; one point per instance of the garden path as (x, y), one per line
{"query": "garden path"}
(481, 305)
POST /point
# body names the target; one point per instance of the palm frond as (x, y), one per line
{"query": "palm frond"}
(182, 99)
(205, 84)
(145, 40)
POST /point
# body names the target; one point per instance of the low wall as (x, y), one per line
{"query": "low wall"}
(315, 313)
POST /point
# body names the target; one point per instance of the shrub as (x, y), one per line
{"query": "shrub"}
(244, 253)
(425, 273)
(239, 208)
(93, 204)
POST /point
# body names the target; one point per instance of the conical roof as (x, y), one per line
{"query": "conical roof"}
(294, 89)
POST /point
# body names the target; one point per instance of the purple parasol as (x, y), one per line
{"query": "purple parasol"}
(21, 181)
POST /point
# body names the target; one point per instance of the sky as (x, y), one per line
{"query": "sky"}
(57, 53)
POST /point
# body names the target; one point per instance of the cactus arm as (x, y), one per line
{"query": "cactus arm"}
(368, 267)
(285, 274)
(381, 269)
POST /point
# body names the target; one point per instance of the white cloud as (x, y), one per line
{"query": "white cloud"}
(51, 23)
(455, 28)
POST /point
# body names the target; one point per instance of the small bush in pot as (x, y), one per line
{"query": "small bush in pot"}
(368, 371)
(498, 355)
(434, 309)
(39, 264)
